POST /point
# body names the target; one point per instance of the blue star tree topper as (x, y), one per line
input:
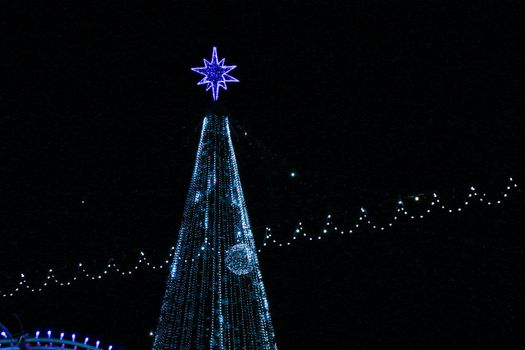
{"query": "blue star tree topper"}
(215, 74)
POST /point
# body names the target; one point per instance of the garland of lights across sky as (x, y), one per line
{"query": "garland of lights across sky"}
(411, 208)
(215, 297)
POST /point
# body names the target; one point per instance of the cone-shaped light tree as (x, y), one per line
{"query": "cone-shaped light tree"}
(215, 297)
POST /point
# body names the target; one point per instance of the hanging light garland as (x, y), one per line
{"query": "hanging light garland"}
(364, 222)
(82, 274)
(428, 204)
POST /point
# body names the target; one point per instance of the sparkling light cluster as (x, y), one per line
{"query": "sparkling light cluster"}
(240, 259)
(215, 297)
(422, 206)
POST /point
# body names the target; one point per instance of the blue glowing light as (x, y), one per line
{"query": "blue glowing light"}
(51, 342)
(215, 74)
(240, 259)
(215, 297)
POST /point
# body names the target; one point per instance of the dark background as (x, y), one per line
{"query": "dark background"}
(367, 101)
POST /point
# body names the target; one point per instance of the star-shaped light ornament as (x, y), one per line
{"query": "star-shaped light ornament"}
(215, 74)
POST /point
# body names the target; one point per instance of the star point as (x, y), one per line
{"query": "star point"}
(215, 74)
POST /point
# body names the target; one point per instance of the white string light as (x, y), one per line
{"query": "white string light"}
(427, 205)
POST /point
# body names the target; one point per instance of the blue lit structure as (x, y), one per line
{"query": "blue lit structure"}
(48, 341)
(215, 297)
(215, 74)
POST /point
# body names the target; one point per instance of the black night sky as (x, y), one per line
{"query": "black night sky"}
(366, 101)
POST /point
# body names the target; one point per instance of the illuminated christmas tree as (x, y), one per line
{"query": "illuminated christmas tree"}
(215, 297)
